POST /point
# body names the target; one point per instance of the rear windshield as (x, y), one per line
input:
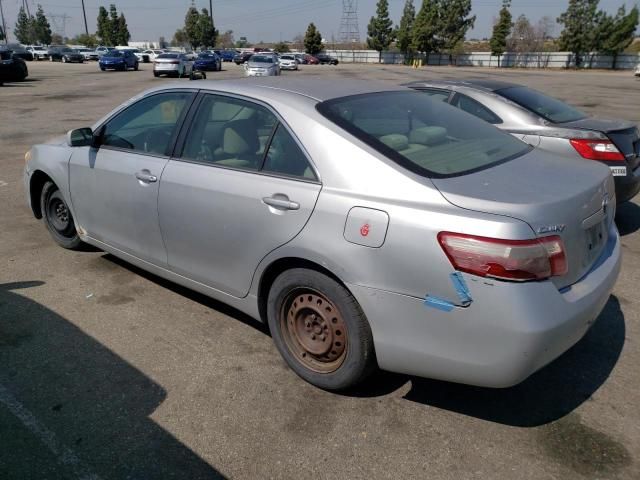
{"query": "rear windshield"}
(261, 59)
(286, 57)
(168, 55)
(428, 137)
(548, 108)
(211, 56)
(116, 54)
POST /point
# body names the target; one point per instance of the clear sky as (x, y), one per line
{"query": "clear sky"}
(267, 20)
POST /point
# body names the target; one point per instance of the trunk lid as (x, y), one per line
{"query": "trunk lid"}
(555, 196)
(622, 133)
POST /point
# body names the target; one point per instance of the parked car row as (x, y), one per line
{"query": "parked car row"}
(300, 58)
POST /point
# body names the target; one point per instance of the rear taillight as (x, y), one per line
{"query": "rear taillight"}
(518, 260)
(597, 149)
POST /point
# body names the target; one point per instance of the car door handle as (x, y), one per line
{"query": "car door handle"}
(146, 177)
(281, 203)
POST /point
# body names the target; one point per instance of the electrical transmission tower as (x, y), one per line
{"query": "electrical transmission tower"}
(349, 30)
(59, 23)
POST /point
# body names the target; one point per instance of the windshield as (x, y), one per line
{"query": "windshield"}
(168, 55)
(207, 56)
(115, 54)
(67, 50)
(428, 137)
(547, 107)
(261, 59)
(286, 57)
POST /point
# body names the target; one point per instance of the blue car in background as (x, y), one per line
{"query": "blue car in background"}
(208, 62)
(118, 60)
(227, 55)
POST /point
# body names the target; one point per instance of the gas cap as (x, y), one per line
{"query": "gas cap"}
(366, 227)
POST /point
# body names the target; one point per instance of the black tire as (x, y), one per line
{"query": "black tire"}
(102, 68)
(320, 329)
(156, 74)
(136, 67)
(57, 217)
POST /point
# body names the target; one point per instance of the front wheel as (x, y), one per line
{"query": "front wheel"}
(57, 217)
(320, 329)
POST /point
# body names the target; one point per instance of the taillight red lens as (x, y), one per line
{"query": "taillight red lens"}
(518, 260)
(597, 149)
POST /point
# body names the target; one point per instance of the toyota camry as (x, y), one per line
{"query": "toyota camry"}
(367, 225)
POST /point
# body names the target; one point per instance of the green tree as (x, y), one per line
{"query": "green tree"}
(57, 39)
(114, 32)
(192, 27)
(25, 28)
(405, 30)
(427, 28)
(281, 47)
(123, 31)
(380, 30)
(619, 32)
(579, 22)
(226, 40)
(90, 40)
(207, 30)
(501, 30)
(104, 27)
(312, 40)
(179, 38)
(42, 28)
(455, 22)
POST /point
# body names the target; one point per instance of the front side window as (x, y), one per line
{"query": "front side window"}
(149, 125)
(229, 132)
(547, 107)
(426, 136)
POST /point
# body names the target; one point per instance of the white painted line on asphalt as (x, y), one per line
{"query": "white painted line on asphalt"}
(64, 454)
(3, 184)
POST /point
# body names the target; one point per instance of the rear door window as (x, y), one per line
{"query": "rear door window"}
(475, 108)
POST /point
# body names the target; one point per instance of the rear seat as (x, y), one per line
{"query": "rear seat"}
(418, 140)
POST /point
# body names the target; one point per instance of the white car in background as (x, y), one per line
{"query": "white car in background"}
(88, 53)
(153, 53)
(288, 62)
(174, 64)
(38, 52)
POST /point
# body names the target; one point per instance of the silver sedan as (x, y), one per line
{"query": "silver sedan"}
(262, 65)
(548, 124)
(369, 226)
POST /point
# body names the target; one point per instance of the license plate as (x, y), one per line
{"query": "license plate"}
(619, 171)
(594, 240)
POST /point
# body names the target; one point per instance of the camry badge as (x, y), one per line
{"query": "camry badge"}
(551, 229)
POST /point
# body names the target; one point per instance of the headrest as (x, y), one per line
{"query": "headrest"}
(428, 135)
(396, 141)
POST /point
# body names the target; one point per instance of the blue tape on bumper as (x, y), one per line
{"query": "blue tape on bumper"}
(438, 303)
(461, 288)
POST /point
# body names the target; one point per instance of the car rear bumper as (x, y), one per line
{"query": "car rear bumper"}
(508, 332)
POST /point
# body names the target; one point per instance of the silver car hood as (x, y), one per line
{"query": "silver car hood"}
(554, 195)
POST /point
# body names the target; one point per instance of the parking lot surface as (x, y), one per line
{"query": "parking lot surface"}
(109, 372)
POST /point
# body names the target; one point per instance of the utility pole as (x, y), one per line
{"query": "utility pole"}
(26, 6)
(4, 25)
(84, 12)
(211, 10)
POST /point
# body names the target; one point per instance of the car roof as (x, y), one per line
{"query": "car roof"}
(485, 84)
(291, 89)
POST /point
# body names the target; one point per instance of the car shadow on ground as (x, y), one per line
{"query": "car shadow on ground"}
(628, 218)
(546, 396)
(71, 408)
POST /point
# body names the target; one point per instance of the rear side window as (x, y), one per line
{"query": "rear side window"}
(426, 136)
(285, 157)
(469, 105)
(549, 108)
(436, 94)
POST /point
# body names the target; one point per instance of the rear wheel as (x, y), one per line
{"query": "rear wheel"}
(57, 217)
(156, 74)
(136, 67)
(64, 59)
(320, 329)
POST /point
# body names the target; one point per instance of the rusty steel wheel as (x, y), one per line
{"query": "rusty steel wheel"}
(320, 329)
(314, 330)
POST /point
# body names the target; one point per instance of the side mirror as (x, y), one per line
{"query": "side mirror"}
(80, 137)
